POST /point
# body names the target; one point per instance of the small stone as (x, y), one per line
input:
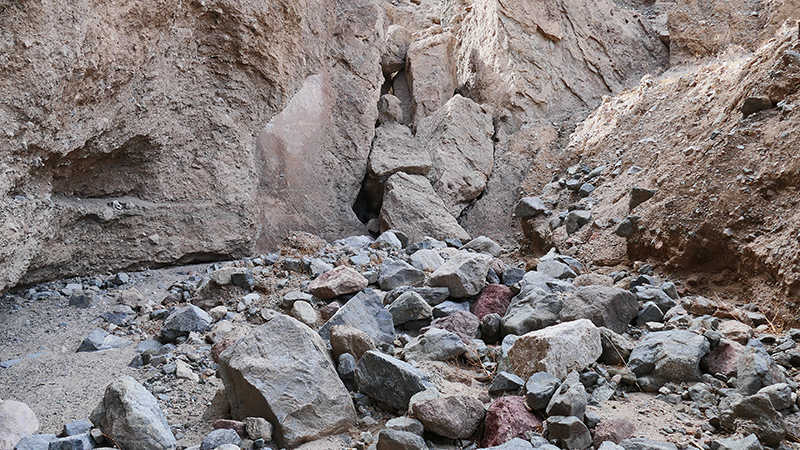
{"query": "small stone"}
(82, 299)
(258, 428)
(390, 439)
(504, 381)
(347, 339)
(569, 399)
(185, 320)
(184, 371)
(753, 105)
(244, 280)
(406, 424)
(218, 312)
(639, 195)
(304, 312)
(627, 226)
(77, 427)
(77, 442)
(408, 307)
(99, 340)
(539, 389)
(586, 190)
(529, 207)
(220, 437)
(483, 244)
(577, 219)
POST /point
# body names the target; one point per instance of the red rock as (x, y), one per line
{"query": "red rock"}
(614, 430)
(228, 424)
(494, 298)
(722, 359)
(329, 310)
(339, 281)
(507, 419)
(462, 323)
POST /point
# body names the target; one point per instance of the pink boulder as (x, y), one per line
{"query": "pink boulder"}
(339, 281)
(494, 298)
(507, 419)
(462, 323)
(722, 359)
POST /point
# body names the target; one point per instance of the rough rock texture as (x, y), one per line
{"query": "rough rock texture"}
(411, 205)
(557, 350)
(347, 339)
(507, 419)
(365, 312)
(431, 73)
(123, 152)
(283, 371)
(16, 421)
(670, 356)
(388, 379)
(454, 417)
(464, 274)
(336, 282)
(608, 307)
(131, 416)
(494, 298)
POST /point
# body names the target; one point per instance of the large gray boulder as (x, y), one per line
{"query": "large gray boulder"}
(529, 311)
(365, 312)
(394, 273)
(569, 399)
(410, 306)
(569, 432)
(130, 415)
(185, 320)
(389, 380)
(411, 205)
(756, 369)
(670, 356)
(558, 349)
(464, 274)
(282, 371)
(608, 307)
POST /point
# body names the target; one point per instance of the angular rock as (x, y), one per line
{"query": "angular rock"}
(426, 260)
(258, 428)
(639, 195)
(339, 281)
(614, 430)
(507, 419)
(185, 320)
(555, 269)
(723, 358)
(435, 345)
(533, 309)
(569, 432)
(395, 273)
(576, 220)
(77, 427)
(219, 438)
(539, 389)
(671, 356)
(448, 308)
(514, 444)
(616, 348)
(557, 350)
(406, 424)
(756, 414)
(365, 312)
(494, 298)
(82, 441)
(657, 296)
(409, 307)
(390, 439)
(17, 420)
(98, 340)
(646, 444)
(756, 369)
(347, 339)
(608, 307)
(431, 73)
(454, 417)
(746, 443)
(393, 58)
(31, 442)
(627, 226)
(130, 415)
(432, 295)
(569, 399)
(462, 323)
(347, 370)
(388, 379)
(539, 280)
(390, 110)
(304, 312)
(411, 205)
(529, 207)
(464, 274)
(504, 381)
(483, 244)
(650, 313)
(283, 370)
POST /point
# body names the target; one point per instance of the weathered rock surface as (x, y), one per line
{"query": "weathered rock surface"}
(347, 339)
(282, 370)
(569, 431)
(608, 307)
(454, 417)
(390, 439)
(388, 379)
(464, 274)
(669, 356)
(557, 350)
(17, 420)
(532, 309)
(339, 281)
(494, 298)
(365, 312)
(507, 419)
(435, 345)
(431, 73)
(185, 320)
(131, 416)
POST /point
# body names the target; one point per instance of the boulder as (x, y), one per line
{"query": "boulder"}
(464, 274)
(494, 298)
(365, 312)
(670, 356)
(220, 437)
(282, 370)
(390, 110)
(185, 320)
(409, 307)
(756, 369)
(388, 379)
(507, 419)
(347, 339)
(533, 309)
(483, 244)
(723, 358)
(406, 424)
(426, 260)
(616, 347)
(435, 345)
(130, 415)
(569, 432)
(539, 389)
(411, 205)
(608, 307)
(17, 421)
(615, 429)
(431, 73)
(389, 439)
(504, 381)
(462, 323)
(529, 207)
(569, 399)
(454, 417)
(394, 273)
(339, 281)
(393, 58)
(558, 349)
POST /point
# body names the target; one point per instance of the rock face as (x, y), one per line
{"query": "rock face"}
(16, 421)
(283, 371)
(135, 151)
(557, 350)
(131, 416)
(431, 73)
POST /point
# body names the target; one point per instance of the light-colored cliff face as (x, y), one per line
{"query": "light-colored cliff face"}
(152, 131)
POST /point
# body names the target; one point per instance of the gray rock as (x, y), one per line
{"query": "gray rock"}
(432, 295)
(616, 348)
(410, 306)
(388, 240)
(533, 309)
(650, 313)
(577, 219)
(586, 189)
(514, 444)
(670, 289)
(657, 296)
(669, 356)
(435, 345)
(779, 394)
(448, 308)
(35, 442)
(530, 207)
(539, 389)
(388, 379)
(347, 369)
(426, 260)
(346, 339)
(220, 437)
(390, 439)
(569, 399)
(395, 273)
(244, 280)
(756, 369)
(749, 442)
(77, 442)
(283, 370)
(558, 349)
(82, 299)
(504, 381)
(490, 326)
(752, 105)
(627, 226)
(608, 445)
(640, 195)
(608, 307)
(755, 414)
(556, 269)
(130, 415)
(513, 276)
(454, 417)
(185, 320)
(483, 244)
(646, 444)
(569, 432)
(99, 340)
(365, 312)
(464, 274)
(77, 427)
(304, 312)
(539, 280)
(406, 424)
